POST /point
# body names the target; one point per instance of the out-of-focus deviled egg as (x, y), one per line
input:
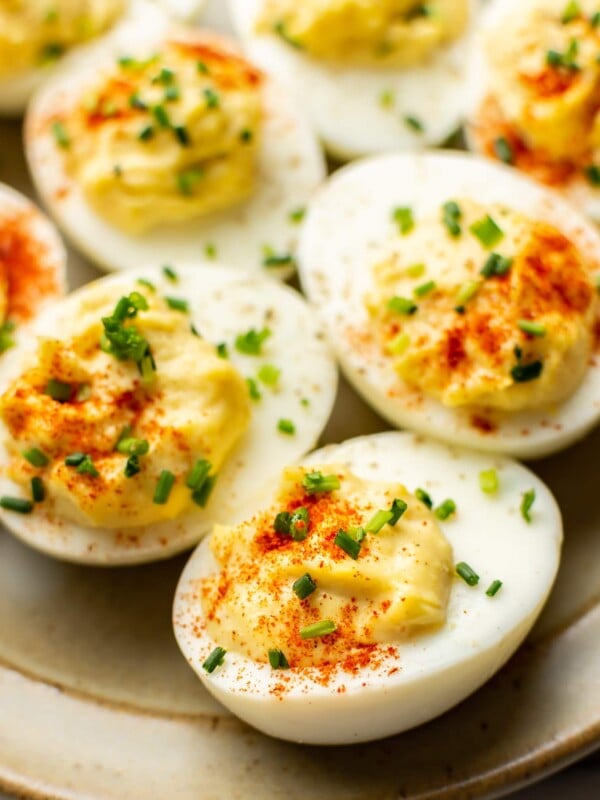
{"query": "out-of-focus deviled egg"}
(460, 298)
(166, 144)
(32, 265)
(383, 581)
(373, 75)
(36, 34)
(145, 407)
(536, 95)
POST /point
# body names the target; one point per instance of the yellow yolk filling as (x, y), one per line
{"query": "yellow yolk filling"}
(397, 585)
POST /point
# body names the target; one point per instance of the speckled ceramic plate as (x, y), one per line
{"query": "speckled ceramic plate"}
(96, 702)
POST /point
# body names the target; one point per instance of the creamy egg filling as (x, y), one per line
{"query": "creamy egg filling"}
(127, 418)
(479, 306)
(335, 568)
(384, 32)
(168, 138)
(543, 108)
(34, 33)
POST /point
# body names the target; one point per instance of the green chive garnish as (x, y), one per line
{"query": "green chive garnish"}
(18, 504)
(269, 375)
(297, 215)
(402, 305)
(177, 303)
(322, 628)
(488, 481)
(425, 288)
(496, 265)
(415, 270)
(75, 459)
(181, 135)
(148, 284)
(222, 350)
(414, 123)
(37, 490)
(493, 588)
(378, 520)
(163, 487)
(503, 150)
(61, 137)
(424, 497)
(403, 217)
(35, 457)
(386, 98)
(252, 341)
(451, 216)
(132, 466)
(523, 373)
(130, 446)
(6, 339)
(272, 260)
(170, 273)
(161, 116)
(316, 483)
(572, 11)
(86, 467)
(445, 509)
(531, 327)
(397, 510)
(349, 545)
(212, 98)
(399, 344)
(246, 136)
(278, 660)
(286, 426)
(526, 504)
(294, 524)
(198, 475)
(214, 660)
(467, 292)
(253, 390)
(146, 133)
(210, 250)
(304, 586)
(487, 231)
(202, 495)
(188, 179)
(202, 68)
(467, 573)
(58, 390)
(592, 173)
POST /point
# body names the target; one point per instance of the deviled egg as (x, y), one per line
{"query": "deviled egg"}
(383, 581)
(460, 298)
(165, 144)
(535, 102)
(145, 407)
(36, 34)
(373, 76)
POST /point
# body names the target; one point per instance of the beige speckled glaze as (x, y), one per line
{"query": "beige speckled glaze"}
(96, 703)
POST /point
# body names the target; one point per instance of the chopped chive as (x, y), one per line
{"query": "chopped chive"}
(277, 659)
(305, 402)
(202, 495)
(86, 467)
(531, 327)
(592, 173)
(399, 344)
(467, 573)
(297, 215)
(493, 588)
(253, 390)
(146, 133)
(358, 534)
(415, 271)
(75, 459)
(467, 292)
(451, 216)
(503, 150)
(132, 466)
(187, 180)
(181, 135)
(488, 481)
(212, 98)
(252, 341)
(37, 490)
(527, 501)
(61, 137)
(246, 135)
(269, 375)
(202, 68)
(424, 497)
(286, 426)
(403, 217)
(210, 250)
(18, 504)
(349, 545)
(170, 273)
(177, 303)
(595, 19)
(280, 29)
(304, 586)
(148, 284)
(282, 522)
(445, 509)
(386, 98)
(161, 116)
(378, 520)
(58, 390)
(222, 350)
(402, 305)
(163, 487)
(299, 524)
(397, 510)
(147, 368)
(414, 123)
(487, 231)
(135, 101)
(129, 446)
(35, 457)
(322, 628)
(316, 483)
(425, 288)
(278, 260)
(572, 11)
(6, 339)
(214, 660)
(496, 265)
(523, 373)
(198, 474)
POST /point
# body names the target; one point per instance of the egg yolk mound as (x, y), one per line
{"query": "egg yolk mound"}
(396, 582)
(371, 32)
(544, 89)
(166, 139)
(103, 412)
(483, 307)
(34, 33)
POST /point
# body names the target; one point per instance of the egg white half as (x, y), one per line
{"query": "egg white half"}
(434, 671)
(290, 167)
(577, 190)
(222, 305)
(344, 103)
(349, 225)
(51, 257)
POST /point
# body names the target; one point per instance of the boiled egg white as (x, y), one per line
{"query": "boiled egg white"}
(290, 166)
(350, 228)
(222, 305)
(32, 261)
(362, 110)
(429, 673)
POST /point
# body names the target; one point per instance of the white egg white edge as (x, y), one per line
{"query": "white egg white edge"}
(15, 90)
(223, 303)
(41, 229)
(349, 228)
(344, 103)
(578, 190)
(290, 167)
(436, 670)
